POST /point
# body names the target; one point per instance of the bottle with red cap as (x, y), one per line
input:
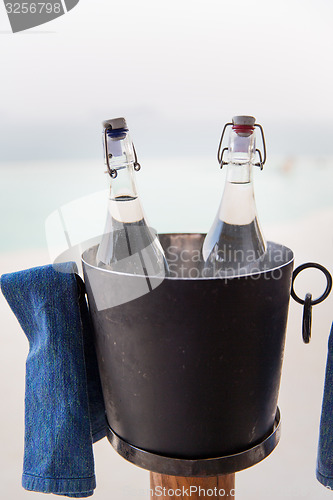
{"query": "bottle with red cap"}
(235, 244)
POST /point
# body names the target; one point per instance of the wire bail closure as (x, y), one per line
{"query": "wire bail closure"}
(220, 151)
(113, 171)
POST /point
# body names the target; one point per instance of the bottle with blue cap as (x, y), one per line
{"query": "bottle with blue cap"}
(235, 244)
(129, 245)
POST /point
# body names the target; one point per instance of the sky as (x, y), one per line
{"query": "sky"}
(177, 70)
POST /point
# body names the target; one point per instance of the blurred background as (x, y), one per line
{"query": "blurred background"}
(177, 71)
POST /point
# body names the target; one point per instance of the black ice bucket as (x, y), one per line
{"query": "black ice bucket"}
(190, 367)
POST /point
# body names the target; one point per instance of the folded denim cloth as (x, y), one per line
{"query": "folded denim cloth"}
(64, 407)
(324, 470)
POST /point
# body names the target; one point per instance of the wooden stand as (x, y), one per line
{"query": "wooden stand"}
(194, 488)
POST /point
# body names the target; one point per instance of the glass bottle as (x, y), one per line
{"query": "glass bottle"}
(235, 244)
(129, 245)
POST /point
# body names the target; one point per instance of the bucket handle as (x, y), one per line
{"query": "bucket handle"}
(307, 301)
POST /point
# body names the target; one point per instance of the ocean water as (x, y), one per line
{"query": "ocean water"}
(178, 195)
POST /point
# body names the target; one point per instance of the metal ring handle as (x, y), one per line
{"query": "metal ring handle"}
(328, 286)
(308, 302)
(307, 318)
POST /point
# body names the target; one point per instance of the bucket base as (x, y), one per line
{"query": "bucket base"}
(202, 467)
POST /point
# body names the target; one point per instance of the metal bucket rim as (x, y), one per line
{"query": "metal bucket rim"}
(86, 262)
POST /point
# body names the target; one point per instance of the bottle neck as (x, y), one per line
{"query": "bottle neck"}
(238, 203)
(241, 153)
(239, 174)
(119, 147)
(121, 159)
(124, 204)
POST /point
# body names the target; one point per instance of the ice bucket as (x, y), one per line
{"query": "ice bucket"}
(190, 367)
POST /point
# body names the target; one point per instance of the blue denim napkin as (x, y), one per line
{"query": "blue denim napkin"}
(324, 470)
(64, 407)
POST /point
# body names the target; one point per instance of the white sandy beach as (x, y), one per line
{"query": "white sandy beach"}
(289, 473)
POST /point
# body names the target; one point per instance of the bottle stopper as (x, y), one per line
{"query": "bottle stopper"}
(115, 124)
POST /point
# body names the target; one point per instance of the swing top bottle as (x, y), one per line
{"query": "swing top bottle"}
(129, 244)
(235, 244)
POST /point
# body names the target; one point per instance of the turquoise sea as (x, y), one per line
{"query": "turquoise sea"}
(178, 195)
